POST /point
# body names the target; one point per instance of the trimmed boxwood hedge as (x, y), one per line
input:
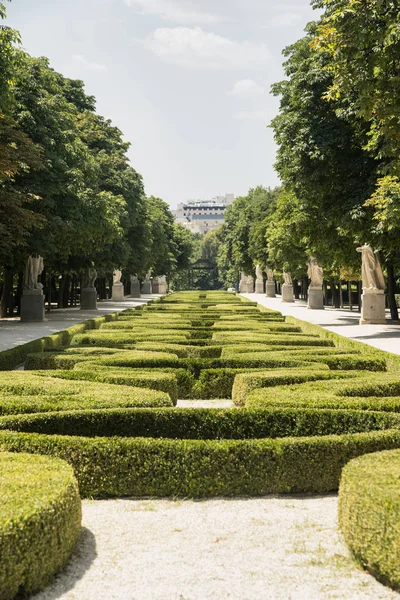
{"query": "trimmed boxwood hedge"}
(162, 466)
(164, 382)
(39, 394)
(40, 521)
(369, 513)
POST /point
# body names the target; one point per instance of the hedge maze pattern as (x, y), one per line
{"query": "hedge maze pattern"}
(103, 396)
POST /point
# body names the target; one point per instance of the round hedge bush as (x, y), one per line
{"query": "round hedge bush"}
(369, 513)
(40, 521)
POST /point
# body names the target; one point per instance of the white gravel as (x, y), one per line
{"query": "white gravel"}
(281, 548)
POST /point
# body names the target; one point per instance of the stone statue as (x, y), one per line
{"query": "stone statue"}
(372, 276)
(259, 273)
(33, 269)
(117, 276)
(270, 274)
(315, 273)
(287, 278)
(134, 279)
(89, 277)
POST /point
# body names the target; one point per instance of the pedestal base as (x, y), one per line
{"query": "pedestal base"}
(117, 293)
(88, 299)
(259, 287)
(162, 288)
(135, 289)
(373, 309)
(287, 293)
(315, 298)
(270, 289)
(146, 287)
(32, 306)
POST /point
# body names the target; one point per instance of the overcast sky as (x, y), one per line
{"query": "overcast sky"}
(187, 81)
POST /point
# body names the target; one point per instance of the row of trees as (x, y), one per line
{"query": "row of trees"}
(67, 190)
(338, 136)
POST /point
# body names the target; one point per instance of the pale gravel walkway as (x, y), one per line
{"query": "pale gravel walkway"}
(279, 548)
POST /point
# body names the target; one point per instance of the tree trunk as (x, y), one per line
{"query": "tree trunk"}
(394, 313)
(65, 296)
(61, 291)
(341, 295)
(18, 294)
(49, 290)
(7, 299)
(349, 294)
(335, 294)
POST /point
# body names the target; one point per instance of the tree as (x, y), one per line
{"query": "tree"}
(320, 157)
(362, 39)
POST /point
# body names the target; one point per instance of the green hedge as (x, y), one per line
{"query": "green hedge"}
(162, 466)
(369, 513)
(154, 380)
(40, 521)
(32, 394)
(12, 358)
(355, 392)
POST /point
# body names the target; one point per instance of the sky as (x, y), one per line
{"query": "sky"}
(187, 81)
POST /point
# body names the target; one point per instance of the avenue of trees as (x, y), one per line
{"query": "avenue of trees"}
(338, 137)
(67, 190)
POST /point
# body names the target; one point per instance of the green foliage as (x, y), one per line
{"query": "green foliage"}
(40, 521)
(369, 513)
(195, 453)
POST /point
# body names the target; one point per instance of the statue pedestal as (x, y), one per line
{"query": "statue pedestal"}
(88, 299)
(135, 289)
(32, 306)
(287, 293)
(259, 286)
(118, 293)
(373, 308)
(146, 287)
(270, 289)
(315, 298)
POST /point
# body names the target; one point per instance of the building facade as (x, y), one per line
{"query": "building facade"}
(201, 216)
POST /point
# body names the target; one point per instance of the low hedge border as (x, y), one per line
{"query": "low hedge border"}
(10, 359)
(154, 380)
(161, 466)
(369, 513)
(40, 521)
(362, 391)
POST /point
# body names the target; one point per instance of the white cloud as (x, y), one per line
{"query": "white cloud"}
(195, 48)
(171, 10)
(87, 64)
(246, 87)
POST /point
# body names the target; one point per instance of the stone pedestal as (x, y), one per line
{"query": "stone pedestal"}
(287, 293)
(270, 289)
(162, 285)
(146, 287)
(32, 306)
(373, 308)
(250, 285)
(135, 289)
(88, 299)
(315, 298)
(118, 292)
(259, 286)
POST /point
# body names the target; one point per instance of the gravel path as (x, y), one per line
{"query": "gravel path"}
(280, 548)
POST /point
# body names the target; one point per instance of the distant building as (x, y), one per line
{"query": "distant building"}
(201, 216)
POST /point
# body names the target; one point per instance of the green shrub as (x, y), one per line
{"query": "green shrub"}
(337, 393)
(35, 393)
(40, 521)
(177, 463)
(369, 513)
(164, 382)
